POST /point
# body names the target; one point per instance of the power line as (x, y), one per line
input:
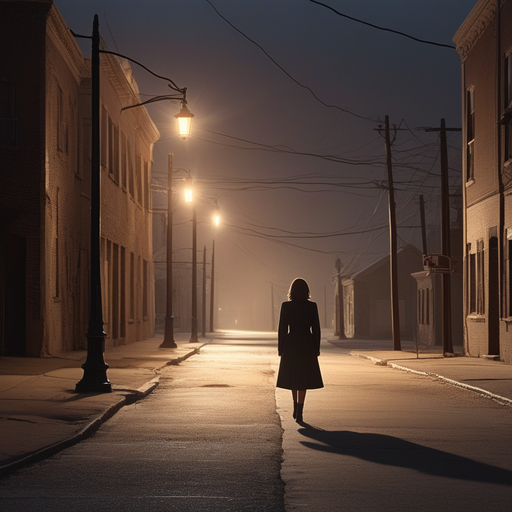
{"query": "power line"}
(382, 28)
(286, 72)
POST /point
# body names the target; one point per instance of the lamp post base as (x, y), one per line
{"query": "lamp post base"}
(169, 333)
(94, 380)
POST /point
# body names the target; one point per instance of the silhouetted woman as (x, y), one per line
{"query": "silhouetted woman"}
(299, 345)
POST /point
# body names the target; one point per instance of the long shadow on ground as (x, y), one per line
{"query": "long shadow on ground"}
(393, 451)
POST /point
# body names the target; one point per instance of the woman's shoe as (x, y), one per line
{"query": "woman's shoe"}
(300, 408)
(294, 410)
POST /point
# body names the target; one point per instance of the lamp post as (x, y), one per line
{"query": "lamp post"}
(193, 334)
(216, 222)
(95, 369)
(168, 341)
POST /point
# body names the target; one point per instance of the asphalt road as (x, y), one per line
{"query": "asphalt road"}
(378, 439)
(211, 438)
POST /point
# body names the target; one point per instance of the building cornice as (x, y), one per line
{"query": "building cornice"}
(119, 73)
(475, 25)
(63, 39)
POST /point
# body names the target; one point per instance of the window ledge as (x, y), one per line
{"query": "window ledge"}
(476, 318)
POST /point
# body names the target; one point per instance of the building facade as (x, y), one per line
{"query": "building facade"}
(484, 42)
(45, 159)
(366, 298)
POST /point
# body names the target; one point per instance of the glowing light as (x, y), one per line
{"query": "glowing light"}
(184, 118)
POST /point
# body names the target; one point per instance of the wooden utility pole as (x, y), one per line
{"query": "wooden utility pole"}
(272, 307)
(203, 330)
(423, 227)
(340, 305)
(446, 302)
(395, 317)
(212, 290)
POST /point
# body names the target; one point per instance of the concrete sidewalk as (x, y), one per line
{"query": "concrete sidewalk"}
(484, 376)
(40, 413)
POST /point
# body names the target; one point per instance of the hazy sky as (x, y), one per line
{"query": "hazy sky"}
(291, 174)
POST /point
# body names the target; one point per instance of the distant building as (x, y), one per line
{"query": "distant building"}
(484, 42)
(45, 173)
(366, 297)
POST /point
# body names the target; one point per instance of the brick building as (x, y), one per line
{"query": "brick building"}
(45, 171)
(484, 42)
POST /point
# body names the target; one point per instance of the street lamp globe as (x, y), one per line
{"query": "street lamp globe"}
(184, 118)
(189, 191)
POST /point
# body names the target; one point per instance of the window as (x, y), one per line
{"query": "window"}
(472, 283)
(132, 287)
(62, 127)
(104, 136)
(477, 279)
(124, 164)
(145, 305)
(480, 269)
(113, 150)
(147, 185)
(8, 114)
(470, 133)
(131, 180)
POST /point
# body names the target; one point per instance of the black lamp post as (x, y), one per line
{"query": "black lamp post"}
(169, 317)
(95, 369)
(193, 334)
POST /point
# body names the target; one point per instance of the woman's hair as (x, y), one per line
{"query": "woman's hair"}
(299, 290)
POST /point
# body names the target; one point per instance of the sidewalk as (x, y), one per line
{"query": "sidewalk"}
(484, 376)
(40, 413)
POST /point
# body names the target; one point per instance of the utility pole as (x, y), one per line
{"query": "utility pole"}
(393, 267)
(446, 302)
(203, 330)
(193, 335)
(423, 227)
(341, 306)
(212, 288)
(272, 306)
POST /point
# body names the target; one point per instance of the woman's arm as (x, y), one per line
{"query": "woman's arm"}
(315, 328)
(282, 330)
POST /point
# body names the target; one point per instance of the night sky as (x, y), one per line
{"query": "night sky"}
(298, 179)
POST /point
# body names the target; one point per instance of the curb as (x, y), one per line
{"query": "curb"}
(96, 422)
(86, 432)
(482, 392)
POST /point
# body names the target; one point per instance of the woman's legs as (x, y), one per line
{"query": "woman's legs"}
(294, 395)
(301, 396)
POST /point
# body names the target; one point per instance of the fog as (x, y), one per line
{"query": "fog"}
(299, 180)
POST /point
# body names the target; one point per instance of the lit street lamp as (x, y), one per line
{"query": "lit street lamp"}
(95, 369)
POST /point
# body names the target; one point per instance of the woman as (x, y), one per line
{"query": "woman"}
(299, 345)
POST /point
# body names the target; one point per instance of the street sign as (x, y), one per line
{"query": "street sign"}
(437, 263)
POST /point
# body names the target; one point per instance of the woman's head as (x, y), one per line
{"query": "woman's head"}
(299, 290)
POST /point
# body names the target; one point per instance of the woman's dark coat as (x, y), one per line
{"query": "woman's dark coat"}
(299, 346)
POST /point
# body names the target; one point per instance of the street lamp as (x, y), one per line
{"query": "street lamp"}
(193, 333)
(95, 369)
(216, 222)
(168, 341)
(194, 336)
